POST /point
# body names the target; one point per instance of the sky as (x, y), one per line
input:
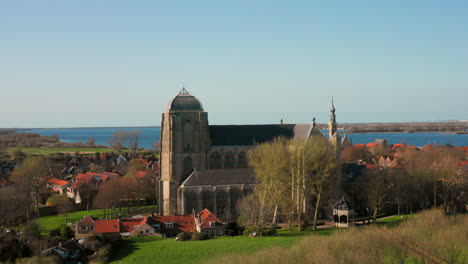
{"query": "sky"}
(118, 63)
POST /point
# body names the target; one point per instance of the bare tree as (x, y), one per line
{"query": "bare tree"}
(31, 177)
(118, 140)
(133, 140)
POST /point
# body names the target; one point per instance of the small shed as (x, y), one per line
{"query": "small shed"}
(343, 215)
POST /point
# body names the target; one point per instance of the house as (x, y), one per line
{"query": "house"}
(86, 225)
(57, 185)
(208, 224)
(204, 222)
(67, 251)
(93, 179)
(121, 158)
(387, 162)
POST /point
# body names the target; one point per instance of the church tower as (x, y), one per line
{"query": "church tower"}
(332, 130)
(184, 146)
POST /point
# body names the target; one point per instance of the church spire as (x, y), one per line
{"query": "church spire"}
(332, 124)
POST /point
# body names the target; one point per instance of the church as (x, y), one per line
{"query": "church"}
(205, 166)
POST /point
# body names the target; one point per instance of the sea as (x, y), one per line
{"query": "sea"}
(150, 135)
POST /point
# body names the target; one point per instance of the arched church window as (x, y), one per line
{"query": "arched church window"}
(187, 166)
(229, 160)
(187, 136)
(207, 200)
(220, 203)
(215, 160)
(236, 196)
(242, 160)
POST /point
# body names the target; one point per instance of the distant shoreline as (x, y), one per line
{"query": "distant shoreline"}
(58, 128)
(393, 132)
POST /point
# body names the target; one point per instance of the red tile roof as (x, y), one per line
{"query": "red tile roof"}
(106, 226)
(207, 217)
(359, 145)
(128, 224)
(57, 182)
(371, 145)
(88, 220)
(185, 223)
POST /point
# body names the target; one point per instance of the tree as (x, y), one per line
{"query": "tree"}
(118, 140)
(96, 168)
(87, 193)
(352, 154)
(91, 141)
(14, 207)
(270, 162)
(133, 140)
(32, 177)
(61, 202)
(108, 196)
(130, 189)
(320, 162)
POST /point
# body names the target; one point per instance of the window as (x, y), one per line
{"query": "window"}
(207, 200)
(190, 201)
(169, 225)
(213, 233)
(229, 160)
(206, 232)
(212, 223)
(220, 233)
(242, 160)
(187, 166)
(215, 160)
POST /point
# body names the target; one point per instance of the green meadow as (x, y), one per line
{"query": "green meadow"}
(168, 250)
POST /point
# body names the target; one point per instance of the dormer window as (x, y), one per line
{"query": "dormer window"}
(170, 225)
(212, 223)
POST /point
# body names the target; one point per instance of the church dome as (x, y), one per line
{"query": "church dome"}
(184, 101)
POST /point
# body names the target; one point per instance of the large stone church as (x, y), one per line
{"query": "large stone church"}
(205, 166)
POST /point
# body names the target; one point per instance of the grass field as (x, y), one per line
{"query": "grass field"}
(160, 250)
(49, 151)
(47, 223)
(393, 221)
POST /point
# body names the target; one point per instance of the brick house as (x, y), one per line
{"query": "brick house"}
(204, 222)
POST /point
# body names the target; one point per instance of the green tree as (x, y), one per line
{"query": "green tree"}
(320, 159)
(270, 162)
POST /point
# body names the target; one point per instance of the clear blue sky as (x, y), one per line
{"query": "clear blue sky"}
(118, 63)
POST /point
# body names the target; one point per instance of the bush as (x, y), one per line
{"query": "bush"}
(184, 236)
(67, 232)
(32, 230)
(198, 236)
(235, 229)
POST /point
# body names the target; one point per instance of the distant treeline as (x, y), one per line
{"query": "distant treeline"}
(11, 138)
(406, 127)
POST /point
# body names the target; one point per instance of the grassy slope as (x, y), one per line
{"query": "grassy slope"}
(159, 250)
